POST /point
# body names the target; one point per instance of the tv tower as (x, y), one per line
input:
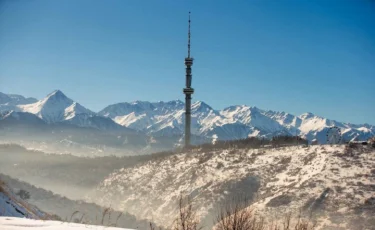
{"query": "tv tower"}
(188, 91)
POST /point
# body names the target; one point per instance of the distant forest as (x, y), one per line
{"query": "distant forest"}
(253, 142)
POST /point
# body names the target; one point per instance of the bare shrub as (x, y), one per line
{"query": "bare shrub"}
(203, 158)
(279, 201)
(23, 194)
(2, 185)
(105, 212)
(73, 214)
(221, 165)
(76, 217)
(286, 224)
(55, 217)
(152, 227)
(285, 160)
(237, 216)
(118, 217)
(309, 158)
(187, 219)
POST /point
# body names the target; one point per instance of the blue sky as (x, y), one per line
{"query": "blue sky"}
(293, 56)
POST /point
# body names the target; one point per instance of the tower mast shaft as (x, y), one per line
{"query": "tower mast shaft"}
(188, 91)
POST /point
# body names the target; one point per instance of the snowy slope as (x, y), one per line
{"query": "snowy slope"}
(12, 223)
(19, 118)
(140, 114)
(16, 214)
(10, 205)
(277, 179)
(10, 101)
(97, 122)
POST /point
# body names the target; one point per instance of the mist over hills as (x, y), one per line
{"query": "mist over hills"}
(152, 126)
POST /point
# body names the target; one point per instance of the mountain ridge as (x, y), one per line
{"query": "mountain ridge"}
(166, 118)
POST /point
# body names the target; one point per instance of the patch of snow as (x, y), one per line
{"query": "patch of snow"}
(13, 223)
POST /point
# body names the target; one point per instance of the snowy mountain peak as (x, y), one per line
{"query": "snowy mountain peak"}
(234, 108)
(56, 91)
(138, 102)
(57, 95)
(200, 106)
(55, 107)
(143, 105)
(75, 109)
(307, 115)
(177, 102)
(173, 102)
(242, 108)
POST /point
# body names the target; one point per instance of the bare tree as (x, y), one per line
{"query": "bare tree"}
(237, 216)
(187, 219)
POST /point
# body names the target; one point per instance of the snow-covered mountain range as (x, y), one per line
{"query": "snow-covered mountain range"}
(166, 119)
(234, 122)
(58, 108)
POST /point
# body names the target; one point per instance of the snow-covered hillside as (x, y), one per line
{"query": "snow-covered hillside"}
(12, 206)
(12, 223)
(17, 214)
(166, 119)
(334, 183)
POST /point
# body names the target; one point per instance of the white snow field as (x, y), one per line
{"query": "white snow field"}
(14, 223)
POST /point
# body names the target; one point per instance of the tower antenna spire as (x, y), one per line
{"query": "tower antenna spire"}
(189, 38)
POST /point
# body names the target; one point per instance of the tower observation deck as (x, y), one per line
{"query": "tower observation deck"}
(188, 91)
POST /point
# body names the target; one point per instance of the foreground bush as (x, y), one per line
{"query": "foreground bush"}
(235, 216)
